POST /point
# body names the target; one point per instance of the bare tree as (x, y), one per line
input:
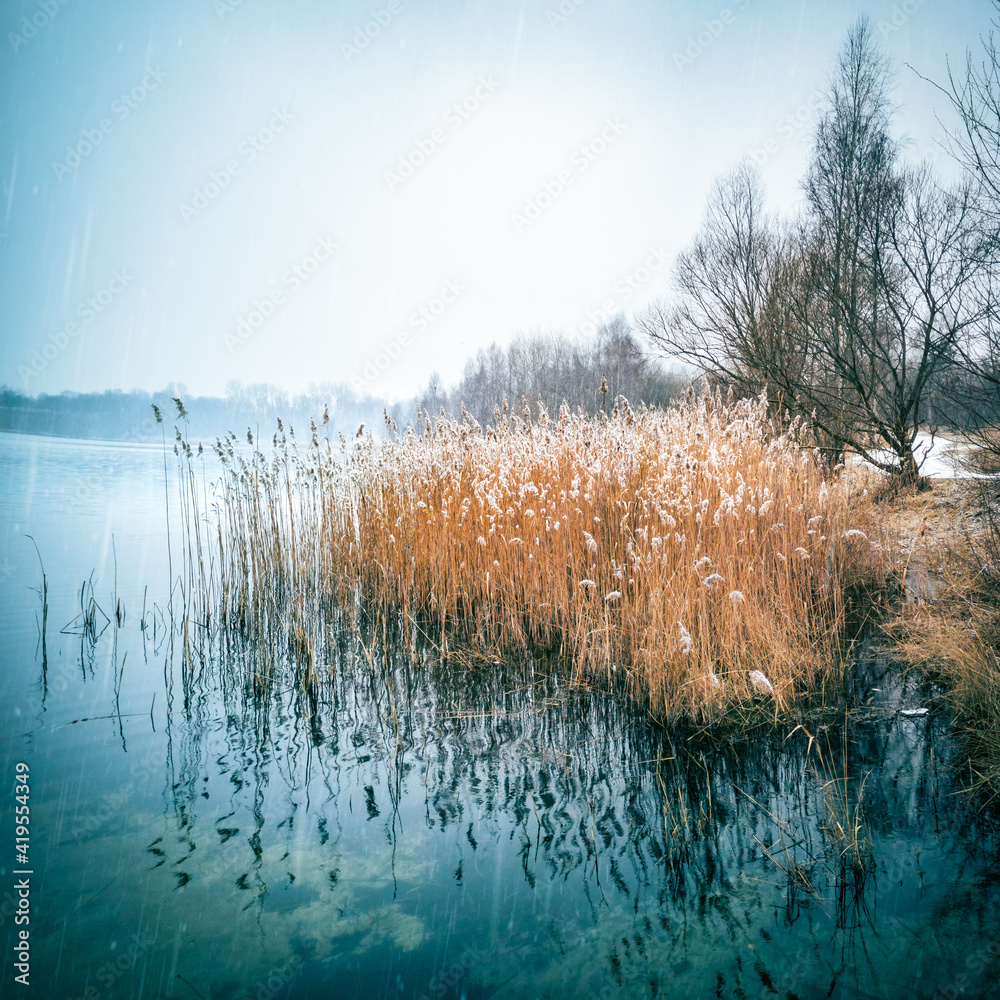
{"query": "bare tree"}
(735, 317)
(846, 314)
(975, 96)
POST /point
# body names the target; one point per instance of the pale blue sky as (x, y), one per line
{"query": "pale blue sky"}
(242, 140)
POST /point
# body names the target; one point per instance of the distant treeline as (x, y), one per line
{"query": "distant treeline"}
(587, 375)
(550, 368)
(128, 416)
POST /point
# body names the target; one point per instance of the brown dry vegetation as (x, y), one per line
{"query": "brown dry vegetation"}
(680, 550)
(950, 628)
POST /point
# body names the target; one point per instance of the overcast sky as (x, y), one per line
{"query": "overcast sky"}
(308, 191)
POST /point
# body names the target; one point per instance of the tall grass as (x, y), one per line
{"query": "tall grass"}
(691, 553)
(953, 637)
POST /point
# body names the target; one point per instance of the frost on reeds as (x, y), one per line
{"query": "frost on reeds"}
(680, 545)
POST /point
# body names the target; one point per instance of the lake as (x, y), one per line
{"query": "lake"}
(412, 828)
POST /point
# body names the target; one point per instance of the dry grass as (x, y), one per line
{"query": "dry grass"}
(950, 629)
(844, 797)
(983, 452)
(679, 550)
(956, 641)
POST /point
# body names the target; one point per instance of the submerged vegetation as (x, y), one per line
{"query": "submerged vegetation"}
(696, 555)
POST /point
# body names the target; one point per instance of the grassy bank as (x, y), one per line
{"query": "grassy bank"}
(691, 553)
(950, 628)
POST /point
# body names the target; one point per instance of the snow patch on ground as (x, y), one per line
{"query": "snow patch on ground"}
(940, 457)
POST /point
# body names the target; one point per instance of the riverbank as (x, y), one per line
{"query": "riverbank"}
(949, 626)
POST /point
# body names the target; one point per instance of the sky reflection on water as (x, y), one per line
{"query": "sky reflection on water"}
(417, 829)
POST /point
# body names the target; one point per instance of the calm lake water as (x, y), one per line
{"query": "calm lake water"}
(423, 830)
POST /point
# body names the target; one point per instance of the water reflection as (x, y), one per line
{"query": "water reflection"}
(396, 824)
(226, 820)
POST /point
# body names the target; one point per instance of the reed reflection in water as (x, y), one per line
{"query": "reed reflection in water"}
(406, 826)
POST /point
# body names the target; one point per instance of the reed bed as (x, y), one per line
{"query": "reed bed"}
(694, 554)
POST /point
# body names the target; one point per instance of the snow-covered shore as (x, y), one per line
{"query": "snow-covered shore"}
(939, 457)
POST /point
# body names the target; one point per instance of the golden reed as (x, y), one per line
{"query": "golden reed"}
(692, 552)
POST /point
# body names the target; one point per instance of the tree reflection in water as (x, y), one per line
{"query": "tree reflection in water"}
(411, 826)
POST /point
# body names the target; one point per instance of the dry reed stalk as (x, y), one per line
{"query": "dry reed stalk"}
(679, 549)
